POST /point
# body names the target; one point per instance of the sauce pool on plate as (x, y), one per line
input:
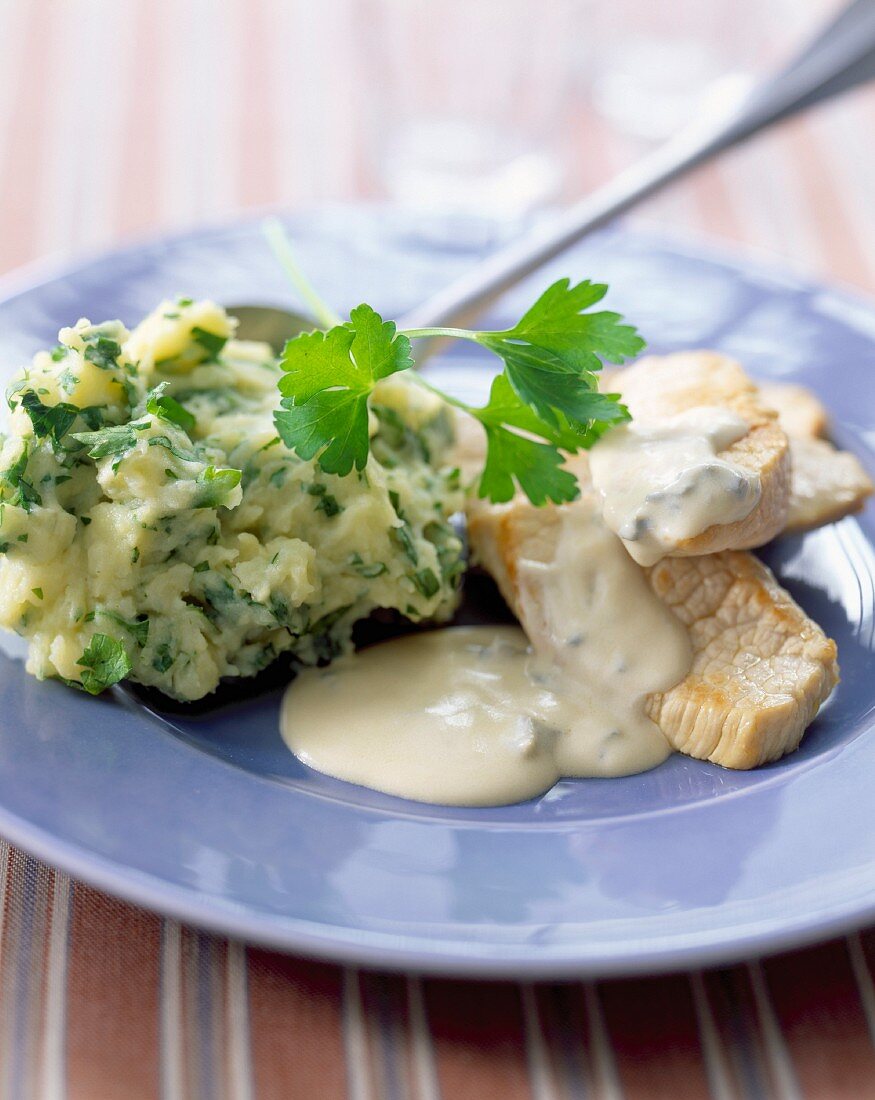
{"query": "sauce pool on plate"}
(472, 716)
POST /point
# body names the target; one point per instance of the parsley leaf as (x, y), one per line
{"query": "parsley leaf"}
(52, 421)
(426, 583)
(215, 485)
(185, 454)
(535, 465)
(104, 663)
(552, 354)
(163, 658)
(558, 322)
(332, 424)
(544, 405)
(138, 628)
(24, 495)
(513, 459)
(326, 385)
(160, 404)
(367, 569)
(93, 415)
(102, 352)
(117, 439)
(211, 342)
(326, 502)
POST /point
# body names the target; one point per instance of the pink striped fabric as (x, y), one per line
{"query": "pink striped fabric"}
(100, 101)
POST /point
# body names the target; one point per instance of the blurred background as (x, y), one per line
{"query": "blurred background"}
(122, 117)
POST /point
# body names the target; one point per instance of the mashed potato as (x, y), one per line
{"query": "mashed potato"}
(145, 497)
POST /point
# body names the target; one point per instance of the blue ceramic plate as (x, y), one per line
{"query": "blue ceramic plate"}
(207, 817)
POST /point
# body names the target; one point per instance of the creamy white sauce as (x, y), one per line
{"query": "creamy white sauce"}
(474, 716)
(663, 483)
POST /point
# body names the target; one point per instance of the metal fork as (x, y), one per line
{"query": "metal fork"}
(839, 58)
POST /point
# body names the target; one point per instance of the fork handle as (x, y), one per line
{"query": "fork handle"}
(839, 58)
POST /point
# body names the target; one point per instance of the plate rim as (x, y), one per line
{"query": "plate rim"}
(743, 258)
(415, 955)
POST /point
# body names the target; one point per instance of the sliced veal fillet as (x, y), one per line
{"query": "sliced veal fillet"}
(800, 411)
(826, 484)
(760, 670)
(661, 386)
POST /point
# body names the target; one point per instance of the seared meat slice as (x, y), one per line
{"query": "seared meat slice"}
(826, 484)
(760, 669)
(658, 387)
(799, 410)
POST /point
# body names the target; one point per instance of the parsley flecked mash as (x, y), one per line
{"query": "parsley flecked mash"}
(152, 524)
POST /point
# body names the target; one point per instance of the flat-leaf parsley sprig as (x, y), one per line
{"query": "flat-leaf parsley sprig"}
(543, 405)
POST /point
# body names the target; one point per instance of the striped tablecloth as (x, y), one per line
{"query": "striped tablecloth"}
(120, 117)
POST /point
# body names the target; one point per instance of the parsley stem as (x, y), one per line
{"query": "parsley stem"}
(417, 377)
(455, 333)
(282, 249)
